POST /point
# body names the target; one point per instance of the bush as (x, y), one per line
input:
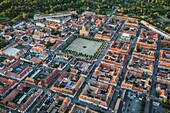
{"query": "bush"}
(106, 57)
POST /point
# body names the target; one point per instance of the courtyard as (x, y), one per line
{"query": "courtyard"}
(84, 46)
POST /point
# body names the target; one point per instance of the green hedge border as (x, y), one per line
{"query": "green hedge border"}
(81, 54)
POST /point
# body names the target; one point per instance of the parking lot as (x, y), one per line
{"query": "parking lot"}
(133, 104)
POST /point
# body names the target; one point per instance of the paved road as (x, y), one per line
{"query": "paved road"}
(122, 75)
(116, 8)
(97, 62)
(154, 75)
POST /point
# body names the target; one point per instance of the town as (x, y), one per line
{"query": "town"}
(94, 63)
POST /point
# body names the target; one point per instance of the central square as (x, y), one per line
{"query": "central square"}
(84, 46)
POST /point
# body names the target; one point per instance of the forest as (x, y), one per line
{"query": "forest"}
(156, 12)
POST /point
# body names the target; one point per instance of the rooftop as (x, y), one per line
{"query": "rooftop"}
(114, 58)
(68, 84)
(107, 74)
(141, 65)
(97, 93)
(80, 109)
(12, 51)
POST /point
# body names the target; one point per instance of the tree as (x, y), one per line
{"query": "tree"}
(24, 16)
(48, 43)
(74, 16)
(87, 8)
(69, 70)
(139, 49)
(20, 45)
(3, 43)
(56, 65)
(106, 57)
(167, 29)
(11, 23)
(165, 100)
(55, 32)
(44, 30)
(103, 0)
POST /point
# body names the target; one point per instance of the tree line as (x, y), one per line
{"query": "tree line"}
(151, 10)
